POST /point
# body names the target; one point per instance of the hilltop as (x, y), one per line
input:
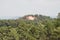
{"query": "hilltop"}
(39, 28)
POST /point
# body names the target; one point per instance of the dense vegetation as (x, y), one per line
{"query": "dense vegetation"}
(44, 28)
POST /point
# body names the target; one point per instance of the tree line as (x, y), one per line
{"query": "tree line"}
(44, 28)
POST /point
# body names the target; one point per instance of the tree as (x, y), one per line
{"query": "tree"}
(58, 16)
(58, 20)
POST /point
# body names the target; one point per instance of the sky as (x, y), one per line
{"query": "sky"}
(18, 8)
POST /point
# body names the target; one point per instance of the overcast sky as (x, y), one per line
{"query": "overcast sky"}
(14, 8)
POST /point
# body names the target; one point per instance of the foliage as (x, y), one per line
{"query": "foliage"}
(44, 28)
